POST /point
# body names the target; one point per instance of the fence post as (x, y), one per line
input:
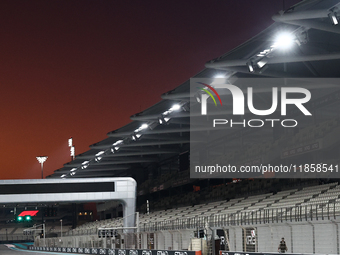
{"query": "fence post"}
(316, 213)
(334, 210)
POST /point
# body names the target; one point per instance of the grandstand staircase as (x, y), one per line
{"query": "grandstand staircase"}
(13, 231)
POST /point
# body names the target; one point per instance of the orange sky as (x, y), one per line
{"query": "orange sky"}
(81, 68)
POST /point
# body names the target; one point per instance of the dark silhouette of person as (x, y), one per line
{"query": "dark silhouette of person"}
(282, 246)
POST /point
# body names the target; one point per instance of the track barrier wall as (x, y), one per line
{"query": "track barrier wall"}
(256, 253)
(317, 237)
(102, 251)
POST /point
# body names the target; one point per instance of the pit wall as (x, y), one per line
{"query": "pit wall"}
(103, 251)
(307, 237)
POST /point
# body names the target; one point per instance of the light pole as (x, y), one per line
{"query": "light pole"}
(61, 228)
(41, 160)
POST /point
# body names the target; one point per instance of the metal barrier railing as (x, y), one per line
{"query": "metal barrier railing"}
(4, 237)
(264, 216)
(319, 211)
(81, 232)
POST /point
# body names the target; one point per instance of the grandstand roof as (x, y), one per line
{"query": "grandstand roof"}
(162, 131)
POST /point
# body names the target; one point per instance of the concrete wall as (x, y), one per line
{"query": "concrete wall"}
(304, 237)
(301, 237)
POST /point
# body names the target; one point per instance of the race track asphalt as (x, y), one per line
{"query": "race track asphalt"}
(4, 250)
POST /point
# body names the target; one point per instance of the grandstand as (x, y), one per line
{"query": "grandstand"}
(176, 212)
(314, 206)
(316, 197)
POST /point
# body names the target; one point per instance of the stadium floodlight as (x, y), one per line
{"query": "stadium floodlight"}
(163, 120)
(284, 41)
(186, 107)
(333, 18)
(198, 97)
(219, 76)
(97, 159)
(175, 107)
(100, 153)
(301, 37)
(41, 160)
(73, 153)
(72, 149)
(144, 126)
(70, 140)
(135, 137)
(262, 63)
(84, 165)
(250, 66)
(117, 142)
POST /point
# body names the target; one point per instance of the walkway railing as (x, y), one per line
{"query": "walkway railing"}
(311, 212)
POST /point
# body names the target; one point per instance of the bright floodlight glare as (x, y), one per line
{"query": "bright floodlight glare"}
(333, 18)
(70, 142)
(250, 67)
(176, 107)
(72, 150)
(118, 142)
(262, 63)
(198, 99)
(284, 41)
(100, 153)
(219, 76)
(144, 126)
(42, 159)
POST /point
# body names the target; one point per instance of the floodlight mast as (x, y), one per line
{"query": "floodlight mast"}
(41, 160)
(72, 149)
(61, 227)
